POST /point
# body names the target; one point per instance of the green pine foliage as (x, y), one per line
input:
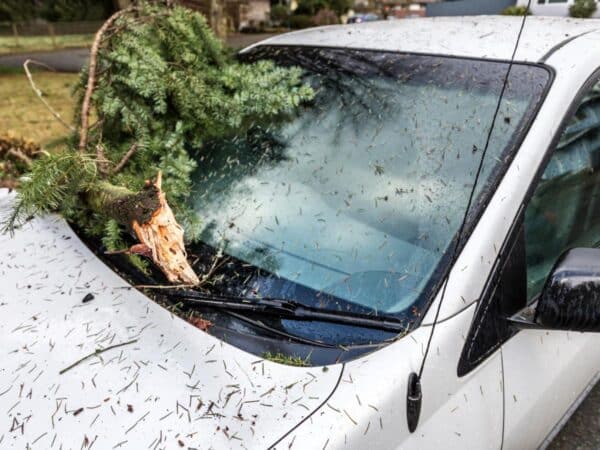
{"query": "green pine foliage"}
(281, 358)
(53, 184)
(112, 239)
(167, 85)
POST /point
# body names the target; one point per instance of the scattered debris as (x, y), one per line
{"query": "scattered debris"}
(285, 359)
(200, 323)
(16, 155)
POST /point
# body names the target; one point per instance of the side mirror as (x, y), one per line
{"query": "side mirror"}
(570, 299)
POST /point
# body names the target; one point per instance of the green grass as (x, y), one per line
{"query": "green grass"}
(8, 44)
(23, 114)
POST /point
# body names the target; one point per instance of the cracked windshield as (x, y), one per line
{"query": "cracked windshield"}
(352, 203)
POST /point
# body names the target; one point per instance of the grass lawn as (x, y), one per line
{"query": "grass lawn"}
(24, 115)
(8, 44)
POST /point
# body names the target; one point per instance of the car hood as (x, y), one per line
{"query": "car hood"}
(170, 385)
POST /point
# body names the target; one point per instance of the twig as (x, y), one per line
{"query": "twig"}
(136, 422)
(97, 352)
(123, 251)
(39, 92)
(101, 159)
(216, 265)
(125, 158)
(89, 89)
(161, 286)
(137, 249)
(128, 385)
(96, 124)
(20, 155)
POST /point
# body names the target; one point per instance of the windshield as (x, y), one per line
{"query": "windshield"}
(352, 203)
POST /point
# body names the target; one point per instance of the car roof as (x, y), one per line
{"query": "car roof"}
(489, 37)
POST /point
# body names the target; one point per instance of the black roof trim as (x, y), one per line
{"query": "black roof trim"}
(560, 45)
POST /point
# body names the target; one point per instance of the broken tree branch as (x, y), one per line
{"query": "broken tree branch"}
(38, 92)
(89, 89)
(149, 216)
(164, 237)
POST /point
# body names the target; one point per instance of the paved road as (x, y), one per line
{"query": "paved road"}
(71, 60)
(582, 432)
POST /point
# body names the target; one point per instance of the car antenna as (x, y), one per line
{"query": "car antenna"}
(414, 394)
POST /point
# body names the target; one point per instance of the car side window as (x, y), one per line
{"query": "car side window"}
(564, 211)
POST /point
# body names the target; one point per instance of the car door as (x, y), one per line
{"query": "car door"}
(547, 372)
(544, 372)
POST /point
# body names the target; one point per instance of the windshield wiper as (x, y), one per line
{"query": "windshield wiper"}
(287, 309)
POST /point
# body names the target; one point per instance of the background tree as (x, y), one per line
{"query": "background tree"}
(310, 7)
(326, 16)
(55, 10)
(340, 6)
(516, 11)
(280, 13)
(17, 10)
(307, 11)
(71, 10)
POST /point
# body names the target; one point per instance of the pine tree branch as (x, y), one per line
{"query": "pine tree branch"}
(101, 161)
(125, 158)
(38, 92)
(89, 89)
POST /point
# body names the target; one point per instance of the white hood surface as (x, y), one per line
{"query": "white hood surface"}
(175, 387)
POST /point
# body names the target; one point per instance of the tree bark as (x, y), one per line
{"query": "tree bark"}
(149, 216)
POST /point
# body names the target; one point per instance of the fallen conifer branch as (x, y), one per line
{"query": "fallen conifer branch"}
(161, 86)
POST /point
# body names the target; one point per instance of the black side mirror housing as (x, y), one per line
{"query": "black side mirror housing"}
(570, 299)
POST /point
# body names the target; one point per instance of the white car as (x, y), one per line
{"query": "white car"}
(332, 233)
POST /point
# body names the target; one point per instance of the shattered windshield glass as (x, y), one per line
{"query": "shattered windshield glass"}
(352, 203)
